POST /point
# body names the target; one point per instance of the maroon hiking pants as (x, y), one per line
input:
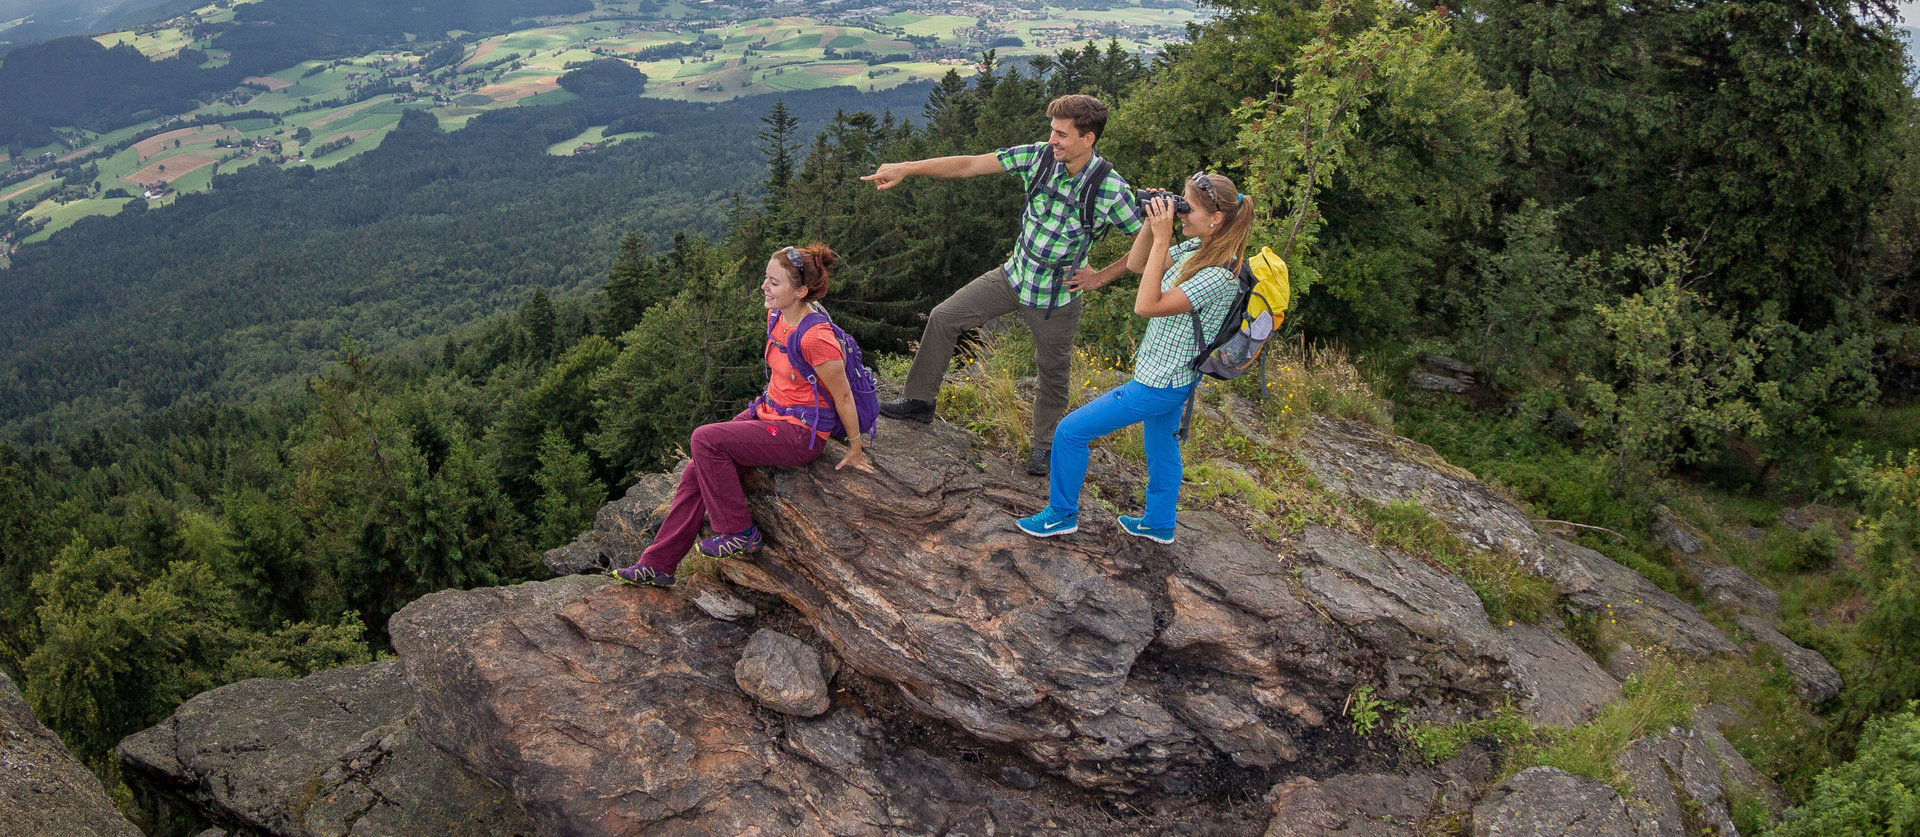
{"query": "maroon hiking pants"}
(710, 487)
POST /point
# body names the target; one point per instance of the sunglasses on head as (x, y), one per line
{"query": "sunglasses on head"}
(1205, 184)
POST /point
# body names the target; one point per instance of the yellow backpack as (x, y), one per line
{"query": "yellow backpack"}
(1257, 311)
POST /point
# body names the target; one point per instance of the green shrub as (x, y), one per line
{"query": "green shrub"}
(1788, 551)
(1877, 793)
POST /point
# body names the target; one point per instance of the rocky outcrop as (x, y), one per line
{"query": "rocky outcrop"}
(1367, 805)
(1676, 781)
(1550, 802)
(1818, 680)
(1441, 374)
(620, 530)
(902, 661)
(1117, 664)
(43, 788)
(1361, 461)
(327, 755)
(1557, 683)
(1680, 780)
(1677, 533)
(1732, 588)
(613, 710)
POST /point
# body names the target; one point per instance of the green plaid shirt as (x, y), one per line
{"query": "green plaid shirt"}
(1168, 345)
(1052, 243)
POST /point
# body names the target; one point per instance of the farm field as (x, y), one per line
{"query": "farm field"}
(62, 216)
(522, 69)
(159, 44)
(936, 26)
(595, 134)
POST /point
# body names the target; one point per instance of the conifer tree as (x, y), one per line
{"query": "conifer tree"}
(634, 284)
(570, 495)
(537, 320)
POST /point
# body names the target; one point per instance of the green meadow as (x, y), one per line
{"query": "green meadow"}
(597, 133)
(940, 26)
(62, 216)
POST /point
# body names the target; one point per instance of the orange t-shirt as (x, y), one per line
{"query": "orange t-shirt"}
(784, 384)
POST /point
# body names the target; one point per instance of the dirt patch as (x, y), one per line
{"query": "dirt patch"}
(480, 54)
(30, 186)
(838, 70)
(345, 112)
(269, 82)
(176, 166)
(517, 90)
(187, 136)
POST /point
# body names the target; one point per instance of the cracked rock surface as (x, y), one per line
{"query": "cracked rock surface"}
(610, 709)
(43, 788)
(903, 661)
(328, 755)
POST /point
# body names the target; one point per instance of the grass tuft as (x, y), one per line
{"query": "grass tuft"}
(1662, 695)
(1505, 588)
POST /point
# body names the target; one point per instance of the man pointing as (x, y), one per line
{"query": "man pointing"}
(1073, 198)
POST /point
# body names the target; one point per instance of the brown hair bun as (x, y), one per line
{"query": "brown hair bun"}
(816, 268)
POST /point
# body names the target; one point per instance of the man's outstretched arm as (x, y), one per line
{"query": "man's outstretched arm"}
(889, 174)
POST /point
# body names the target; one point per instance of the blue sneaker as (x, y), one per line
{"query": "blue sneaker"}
(1137, 527)
(1048, 523)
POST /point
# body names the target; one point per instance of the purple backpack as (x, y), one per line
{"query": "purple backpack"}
(820, 416)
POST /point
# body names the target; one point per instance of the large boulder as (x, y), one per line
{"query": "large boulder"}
(43, 788)
(327, 755)
(610, 709)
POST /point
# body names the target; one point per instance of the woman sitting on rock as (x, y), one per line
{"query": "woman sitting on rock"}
(765, 433)
(1195, 277)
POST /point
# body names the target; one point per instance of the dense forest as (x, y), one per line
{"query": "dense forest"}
(75, 81)
(121, 315)
(1678, 239)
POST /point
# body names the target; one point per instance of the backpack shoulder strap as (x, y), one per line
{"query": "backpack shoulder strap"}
(1038, 179)
(1093, 178)
(792, 348)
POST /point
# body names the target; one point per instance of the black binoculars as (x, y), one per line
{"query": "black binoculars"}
(1180, 205)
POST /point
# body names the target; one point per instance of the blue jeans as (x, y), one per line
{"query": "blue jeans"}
(1128, 404)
